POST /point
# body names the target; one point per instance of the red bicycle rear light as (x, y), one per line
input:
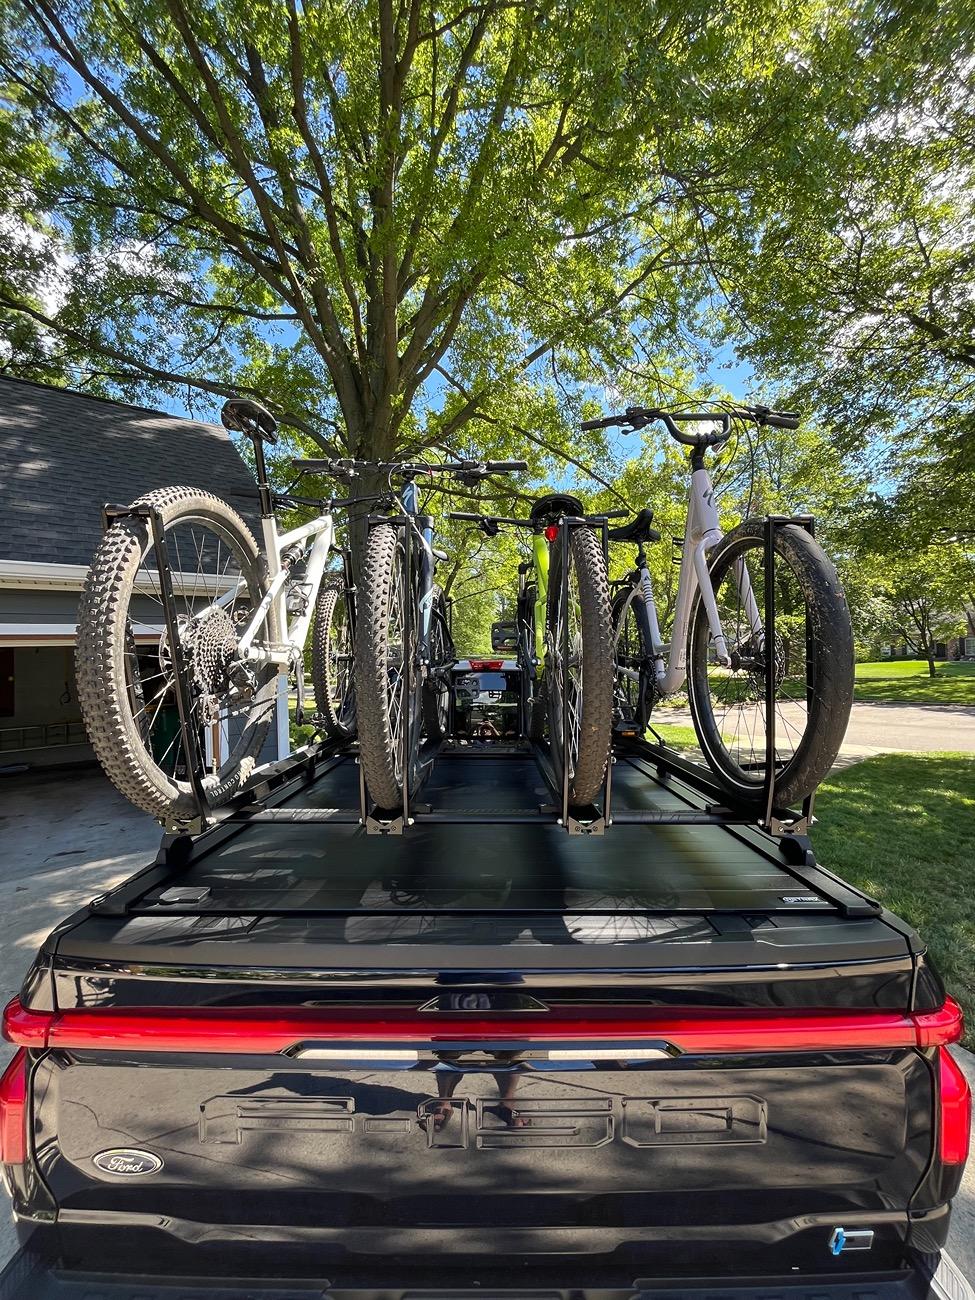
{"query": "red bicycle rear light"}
(551, 532)
(955, 1110)
(13, 1111)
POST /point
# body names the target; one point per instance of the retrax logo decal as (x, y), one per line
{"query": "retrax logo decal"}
(127, 1163)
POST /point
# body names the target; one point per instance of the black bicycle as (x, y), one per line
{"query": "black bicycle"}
(404, 651)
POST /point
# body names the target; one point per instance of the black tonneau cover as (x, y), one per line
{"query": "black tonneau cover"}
(715, 913)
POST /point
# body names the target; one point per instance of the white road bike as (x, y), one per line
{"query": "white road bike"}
(718, 644)
(179, 581)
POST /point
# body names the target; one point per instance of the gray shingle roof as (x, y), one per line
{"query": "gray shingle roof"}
(63, 455)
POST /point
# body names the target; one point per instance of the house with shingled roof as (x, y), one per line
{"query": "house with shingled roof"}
(64, 455)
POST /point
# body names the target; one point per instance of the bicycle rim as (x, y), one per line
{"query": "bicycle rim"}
(729, 700)
(207, 563)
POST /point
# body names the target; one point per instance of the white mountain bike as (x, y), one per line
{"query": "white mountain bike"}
(730, 589)
(188, 628)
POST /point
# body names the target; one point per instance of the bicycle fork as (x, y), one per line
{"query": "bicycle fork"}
(540, 553)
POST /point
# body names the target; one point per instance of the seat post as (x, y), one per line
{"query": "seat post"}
(260, 468)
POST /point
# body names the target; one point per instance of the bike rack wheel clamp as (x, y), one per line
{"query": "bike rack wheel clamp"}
(189, 814)
(771, 821)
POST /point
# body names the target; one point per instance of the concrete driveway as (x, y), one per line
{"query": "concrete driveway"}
(66, 837)
(69, 836)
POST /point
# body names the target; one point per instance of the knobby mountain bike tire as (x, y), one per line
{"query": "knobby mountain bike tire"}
(436, 690)
(386, 619)
(632, 700)
(587, 677)
(332, 661)
(814, 692)
(121, 626)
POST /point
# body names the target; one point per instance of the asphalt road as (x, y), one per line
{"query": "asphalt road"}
(916, 727)
(878, 728)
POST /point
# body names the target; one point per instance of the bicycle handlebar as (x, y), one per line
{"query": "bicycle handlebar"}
(637, 417)
(527, 523)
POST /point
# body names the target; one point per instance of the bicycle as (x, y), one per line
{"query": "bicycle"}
(718, 643)
(183, 613)
(564, 647)
(404, 653)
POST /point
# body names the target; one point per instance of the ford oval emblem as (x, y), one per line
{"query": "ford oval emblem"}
(127, 1163)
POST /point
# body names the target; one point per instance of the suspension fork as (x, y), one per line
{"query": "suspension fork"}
(422, 526)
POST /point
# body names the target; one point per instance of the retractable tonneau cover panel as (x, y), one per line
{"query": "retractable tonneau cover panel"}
(667, 1051)
(689, 912)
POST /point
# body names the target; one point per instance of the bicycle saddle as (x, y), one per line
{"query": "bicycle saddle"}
(637, 530)
(242, 415)
(548, 509)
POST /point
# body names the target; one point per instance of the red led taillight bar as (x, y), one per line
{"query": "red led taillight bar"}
(245, 1031)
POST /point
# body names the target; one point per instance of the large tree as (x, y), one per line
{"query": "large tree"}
(388, 217)
(859, 288)
(333, 204)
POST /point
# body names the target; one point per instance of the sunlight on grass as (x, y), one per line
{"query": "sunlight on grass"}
(906, 681)
(672, 733)
(902, 828)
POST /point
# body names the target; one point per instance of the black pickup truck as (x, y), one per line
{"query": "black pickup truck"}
(483, 1057)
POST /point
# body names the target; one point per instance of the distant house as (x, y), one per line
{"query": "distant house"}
(958, 647)
(63, 455)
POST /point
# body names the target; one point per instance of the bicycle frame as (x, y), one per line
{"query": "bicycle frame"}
(702, 535)
(422, 526)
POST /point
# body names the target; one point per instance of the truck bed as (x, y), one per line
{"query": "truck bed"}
(485, 1053)
(287, 894)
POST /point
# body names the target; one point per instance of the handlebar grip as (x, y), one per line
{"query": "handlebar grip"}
(463, 514)
(313, 466)
(599, 424)
(504, 466)
(783, 419)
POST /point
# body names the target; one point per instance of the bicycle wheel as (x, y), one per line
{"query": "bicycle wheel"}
(125, 662)
(388, 716)
(332, 663)
(437, 688)
(811, 661)
(630, 699)
(580, 682)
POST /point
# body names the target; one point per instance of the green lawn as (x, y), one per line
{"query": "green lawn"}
(906, 681)
(672, 733)
(902, 828)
